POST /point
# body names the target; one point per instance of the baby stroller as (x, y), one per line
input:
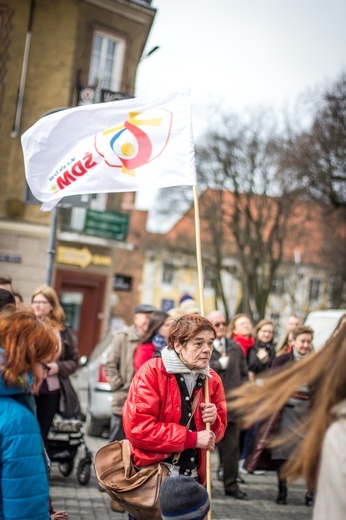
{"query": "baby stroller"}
(64, 439)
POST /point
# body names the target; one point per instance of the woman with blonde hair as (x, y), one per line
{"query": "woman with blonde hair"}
(240, 331)
(56, 393)
(320, 456)
(262, 354)
(27, 347)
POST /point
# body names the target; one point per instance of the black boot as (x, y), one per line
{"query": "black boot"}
(309, 499)
(282, 495)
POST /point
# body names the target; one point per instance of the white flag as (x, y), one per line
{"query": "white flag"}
(110, 147)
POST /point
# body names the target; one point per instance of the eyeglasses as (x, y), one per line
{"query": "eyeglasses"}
(44, 366)
(221, 324)
(37, 302)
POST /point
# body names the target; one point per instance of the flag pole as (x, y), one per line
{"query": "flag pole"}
(201, 303)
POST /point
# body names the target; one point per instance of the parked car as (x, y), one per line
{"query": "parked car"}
(323, 323)
(94, 392)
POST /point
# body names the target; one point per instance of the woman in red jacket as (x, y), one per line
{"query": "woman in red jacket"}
(159, 403)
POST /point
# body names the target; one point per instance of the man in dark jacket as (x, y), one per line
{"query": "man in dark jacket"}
(229, 362)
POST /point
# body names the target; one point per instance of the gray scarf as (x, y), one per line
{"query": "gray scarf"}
(174, 365)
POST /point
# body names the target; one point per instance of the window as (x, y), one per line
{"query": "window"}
(314, 289)
(106, 64)
(167, 273)
(335, 290)
(278, 286)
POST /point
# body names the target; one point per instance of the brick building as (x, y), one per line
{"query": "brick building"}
(56, 55)
(311, 274)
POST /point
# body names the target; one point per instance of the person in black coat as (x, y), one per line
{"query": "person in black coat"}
(261, 356)
(287, 420)
(229, 362)
(56, 394)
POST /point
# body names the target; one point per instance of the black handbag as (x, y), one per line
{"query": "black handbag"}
(69, 406)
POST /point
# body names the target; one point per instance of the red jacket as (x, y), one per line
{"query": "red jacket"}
(143, 353)
(152, 412)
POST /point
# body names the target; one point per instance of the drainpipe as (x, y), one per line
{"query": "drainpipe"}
(15, 131)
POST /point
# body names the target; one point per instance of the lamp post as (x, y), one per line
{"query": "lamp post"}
(51, 245)
(154, 49)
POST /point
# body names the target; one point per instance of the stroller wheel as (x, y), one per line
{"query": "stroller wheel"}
(83, 471)
(66, 468)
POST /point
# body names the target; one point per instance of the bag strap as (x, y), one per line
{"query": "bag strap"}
(193, 409)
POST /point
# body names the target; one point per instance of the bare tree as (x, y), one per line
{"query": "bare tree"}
(244, 206)
(317, 156)
(238, 161)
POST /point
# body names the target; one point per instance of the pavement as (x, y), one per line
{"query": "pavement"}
(87, 502)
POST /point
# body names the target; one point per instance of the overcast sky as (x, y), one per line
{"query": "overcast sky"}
(242, 53)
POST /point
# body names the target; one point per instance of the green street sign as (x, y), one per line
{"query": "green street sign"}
(106, 224)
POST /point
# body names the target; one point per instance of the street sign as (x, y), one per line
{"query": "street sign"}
(7, 257)
(82, 257)
(106, 224)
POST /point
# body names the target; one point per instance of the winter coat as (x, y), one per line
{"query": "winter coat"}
(152, 412)
(279, 424)
(119, 365)
(255, 364)
(142, 353)
(236, 372)
(68, 364)
(69, 356)
(331, 497)
(24, 490)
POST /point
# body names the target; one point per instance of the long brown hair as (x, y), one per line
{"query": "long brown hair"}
(325, 370)
(25, 341)
(156, 320)
(260, 325)
(57, 313)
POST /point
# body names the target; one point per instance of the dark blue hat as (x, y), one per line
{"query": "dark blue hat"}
(182, 498)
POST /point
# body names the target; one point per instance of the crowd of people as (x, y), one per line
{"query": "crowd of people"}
(182, 384)
(242, 354)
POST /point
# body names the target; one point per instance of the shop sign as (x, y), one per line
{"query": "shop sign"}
(106, 224)
(122, 283)
(81, 257)
(13, 259)
(167, 304)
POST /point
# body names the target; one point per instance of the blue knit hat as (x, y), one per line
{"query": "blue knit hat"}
(182, 498)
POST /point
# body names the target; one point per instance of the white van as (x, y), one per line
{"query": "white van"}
(323, 323)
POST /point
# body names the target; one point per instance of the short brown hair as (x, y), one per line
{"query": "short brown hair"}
(303, 329)
(186, 328)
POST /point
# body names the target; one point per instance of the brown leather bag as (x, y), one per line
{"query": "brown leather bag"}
(137, 490)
